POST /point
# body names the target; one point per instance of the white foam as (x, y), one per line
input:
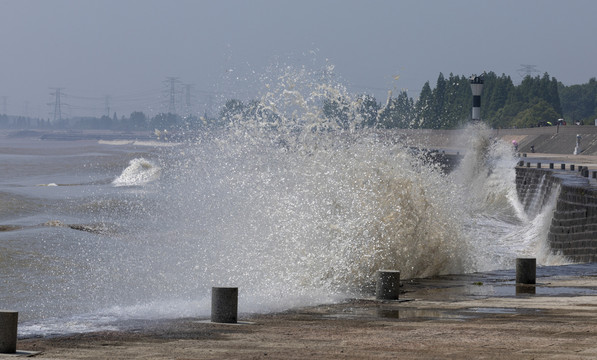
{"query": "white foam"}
(139, 172)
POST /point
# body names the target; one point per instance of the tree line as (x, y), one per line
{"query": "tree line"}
(536, 101)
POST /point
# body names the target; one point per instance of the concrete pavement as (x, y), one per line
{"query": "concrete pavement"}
(475, 316)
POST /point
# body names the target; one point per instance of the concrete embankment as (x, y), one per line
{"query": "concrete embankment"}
(547, 140)
(573, 230)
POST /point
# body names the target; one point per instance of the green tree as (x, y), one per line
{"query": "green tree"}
(399, 112)
(424, 108)
(438, 95)
(138, 120)
(337, 111)
(367, 109)
(541, 111)
(164, 121)
(232, 111)
(579, 102)
(496, 91)
(457, 102)
(258, 112)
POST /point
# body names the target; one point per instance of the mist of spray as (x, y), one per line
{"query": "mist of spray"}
(298, 206)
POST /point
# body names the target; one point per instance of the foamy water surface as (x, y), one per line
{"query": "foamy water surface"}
(302, 210)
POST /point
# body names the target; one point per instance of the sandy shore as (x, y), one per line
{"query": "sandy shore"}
(452, 317)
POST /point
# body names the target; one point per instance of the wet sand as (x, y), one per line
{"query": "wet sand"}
(451, 317)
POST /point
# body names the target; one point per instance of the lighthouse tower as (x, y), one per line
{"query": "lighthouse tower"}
(477, 88)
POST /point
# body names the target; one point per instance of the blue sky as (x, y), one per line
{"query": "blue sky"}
(126, 49)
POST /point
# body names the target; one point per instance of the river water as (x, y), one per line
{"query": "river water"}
(293, 207)
(96, 233)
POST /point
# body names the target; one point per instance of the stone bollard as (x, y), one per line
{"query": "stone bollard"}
(538, 165)
(563, 166)
(572, 167)
(8, 331)
(224, 304)
(388, 285)
(525, 289)
(526, 270)
(551, 165)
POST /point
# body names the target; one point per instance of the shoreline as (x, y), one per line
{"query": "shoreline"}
(454, 316)
(450, 317)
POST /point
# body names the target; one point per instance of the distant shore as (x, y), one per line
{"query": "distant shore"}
(546, 140)
(74, 135)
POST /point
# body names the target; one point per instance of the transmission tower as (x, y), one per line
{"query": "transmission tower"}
(107, 105)
(172, 94)
(57, 104)
(187, 88)
(188, 103)
(527, 70)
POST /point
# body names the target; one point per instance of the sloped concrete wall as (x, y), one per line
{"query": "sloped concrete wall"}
(573, 230)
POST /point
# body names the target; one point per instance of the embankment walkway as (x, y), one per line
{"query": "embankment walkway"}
(477, 316)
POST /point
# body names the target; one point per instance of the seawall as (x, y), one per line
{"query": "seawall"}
(573, 229)
(546, 140)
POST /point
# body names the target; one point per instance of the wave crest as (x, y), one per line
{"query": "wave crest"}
(139, 172)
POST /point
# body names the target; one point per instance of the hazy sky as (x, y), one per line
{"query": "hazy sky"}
(126, 49)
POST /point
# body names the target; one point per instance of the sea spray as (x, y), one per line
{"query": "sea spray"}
(139, 172)
(293, 200)
(499, 227)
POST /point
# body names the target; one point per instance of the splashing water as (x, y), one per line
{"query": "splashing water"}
(297, 207)
(139, 172)
(499, 229)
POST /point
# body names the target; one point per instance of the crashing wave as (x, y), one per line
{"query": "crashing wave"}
(139, 172)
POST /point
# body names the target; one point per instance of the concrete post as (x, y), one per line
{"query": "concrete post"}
(525, 289)
(224, 304)
(526, 270)
(8, 331)
(388, 285)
